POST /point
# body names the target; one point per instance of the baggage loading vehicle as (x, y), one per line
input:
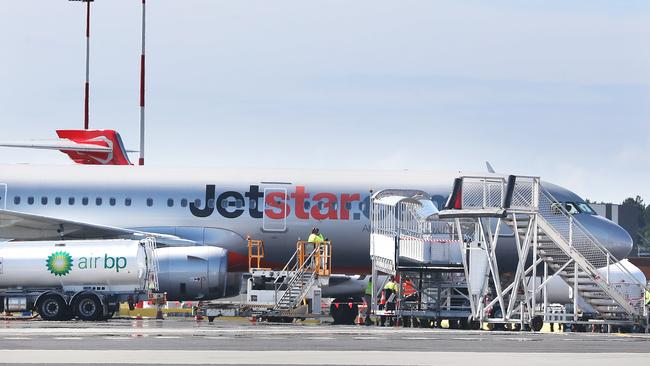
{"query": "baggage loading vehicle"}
(84, 279)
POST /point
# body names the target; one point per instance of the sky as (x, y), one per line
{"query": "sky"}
(557, 89)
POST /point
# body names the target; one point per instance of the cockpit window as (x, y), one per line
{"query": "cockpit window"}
(585, 208)
(571, 208)
(578, 207)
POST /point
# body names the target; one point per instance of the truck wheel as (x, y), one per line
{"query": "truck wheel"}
(52, 307)
(536, 323)
(89, 308)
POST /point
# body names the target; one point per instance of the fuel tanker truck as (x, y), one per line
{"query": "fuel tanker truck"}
(84, 279)
(88, 279)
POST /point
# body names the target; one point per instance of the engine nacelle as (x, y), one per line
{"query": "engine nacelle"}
(195, 273)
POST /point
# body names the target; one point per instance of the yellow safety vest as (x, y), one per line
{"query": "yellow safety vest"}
(647, 297)
(369, 288)
(390, 285)
(313, 238)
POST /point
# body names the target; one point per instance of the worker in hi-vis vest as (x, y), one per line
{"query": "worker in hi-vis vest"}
(367, 298)
(647, 297)
(316, 237)
(390, 294)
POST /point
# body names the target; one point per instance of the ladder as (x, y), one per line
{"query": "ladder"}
(546, 231)
(310, 262)
(151, 280)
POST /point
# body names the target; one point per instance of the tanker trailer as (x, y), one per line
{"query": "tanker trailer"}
(86, 279)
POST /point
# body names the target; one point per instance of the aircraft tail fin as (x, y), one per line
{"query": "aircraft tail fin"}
(489, 167)
(110, 149)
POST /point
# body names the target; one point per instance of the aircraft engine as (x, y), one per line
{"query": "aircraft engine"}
(196, 273)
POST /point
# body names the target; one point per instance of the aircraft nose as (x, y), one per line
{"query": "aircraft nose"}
(613, 237)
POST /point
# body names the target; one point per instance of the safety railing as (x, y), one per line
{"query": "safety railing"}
(297, 281)
(515, 192)
(255, 253)
(482, 192)
(583, 242)
(321, 255)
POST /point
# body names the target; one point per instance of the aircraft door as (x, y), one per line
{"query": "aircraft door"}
(276, 209)
(3, 196)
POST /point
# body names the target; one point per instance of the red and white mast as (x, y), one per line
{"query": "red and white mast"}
(87, 84)
(141, 160)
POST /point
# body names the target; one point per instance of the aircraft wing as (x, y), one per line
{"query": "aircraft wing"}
(29, 227)
(56, 145)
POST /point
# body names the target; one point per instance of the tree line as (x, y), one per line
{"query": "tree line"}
(644, 218)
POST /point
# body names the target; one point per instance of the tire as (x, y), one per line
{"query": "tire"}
(88, 308)
(474, 325)
(537, 323)
(343, 314)
(52, 307)
(452, 324)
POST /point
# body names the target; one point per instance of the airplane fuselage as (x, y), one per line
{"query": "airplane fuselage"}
(221, 207)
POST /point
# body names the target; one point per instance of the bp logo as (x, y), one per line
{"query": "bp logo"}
(59, 263)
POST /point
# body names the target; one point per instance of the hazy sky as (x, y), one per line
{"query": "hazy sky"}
(559, 89)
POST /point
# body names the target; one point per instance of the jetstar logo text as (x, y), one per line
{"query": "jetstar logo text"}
(281, 203)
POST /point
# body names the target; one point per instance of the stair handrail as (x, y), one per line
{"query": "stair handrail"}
(584, 231)
(285, 270)
(297, 274)
(589, 236)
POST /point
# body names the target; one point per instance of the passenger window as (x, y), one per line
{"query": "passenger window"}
(197, 202)
(253, 204)
(127, 202)
(211, 203)
(112, 201)
(71, 201)
(149, 202)
(17, 200)
(44, 200)
(30, 200)
(348, 206)
(239, 203)
(84, 201)
(98, 201)
(170, 203)
(57, 201)
(184, 202)
(307, 205)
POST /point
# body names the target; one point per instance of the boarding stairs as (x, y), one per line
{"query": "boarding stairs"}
(308, 267)
(556, 239)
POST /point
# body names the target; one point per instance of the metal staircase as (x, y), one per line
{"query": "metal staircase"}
(556, 241)
(310, 262)
(564, 242)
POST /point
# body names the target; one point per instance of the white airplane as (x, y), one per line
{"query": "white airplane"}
(205, 215)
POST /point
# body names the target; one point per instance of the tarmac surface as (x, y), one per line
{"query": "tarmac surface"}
(228, 341)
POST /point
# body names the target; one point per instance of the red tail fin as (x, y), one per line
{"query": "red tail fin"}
(105, 138)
